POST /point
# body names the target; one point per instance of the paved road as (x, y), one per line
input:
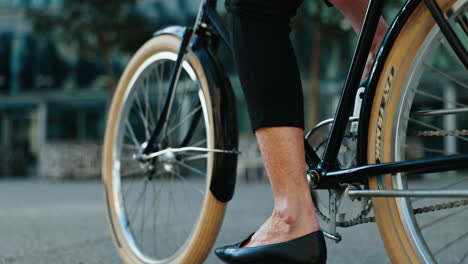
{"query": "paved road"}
(43, 222)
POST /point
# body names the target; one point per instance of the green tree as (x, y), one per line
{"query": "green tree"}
(96, 28)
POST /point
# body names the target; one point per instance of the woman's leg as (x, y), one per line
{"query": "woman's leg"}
(294, 212)
(271, 83)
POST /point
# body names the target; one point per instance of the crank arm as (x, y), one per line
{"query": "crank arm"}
(336, 237)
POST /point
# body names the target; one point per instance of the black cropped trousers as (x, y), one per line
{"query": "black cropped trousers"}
(266, 62)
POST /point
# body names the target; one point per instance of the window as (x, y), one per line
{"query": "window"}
(5, 68)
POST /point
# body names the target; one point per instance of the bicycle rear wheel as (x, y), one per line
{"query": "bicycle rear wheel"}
(161, 209)
(421, 75)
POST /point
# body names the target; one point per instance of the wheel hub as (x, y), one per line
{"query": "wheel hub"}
(168, 161)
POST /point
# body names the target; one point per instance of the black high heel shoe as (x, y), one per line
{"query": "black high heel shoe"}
(309, 249)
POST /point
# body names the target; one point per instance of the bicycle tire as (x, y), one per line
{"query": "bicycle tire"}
(387, 108)
(204, 227)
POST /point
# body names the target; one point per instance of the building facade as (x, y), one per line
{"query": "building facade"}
(49, 94)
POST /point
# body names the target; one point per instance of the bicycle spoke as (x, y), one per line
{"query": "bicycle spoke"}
(130, 147)
(156, 205)
(440, 112)
(185, 180)
(199, 143)
(447, 76)
(143, 215)
(139, 200)
(190, 168)
(455, 183)
(132, 171)
(126, 190)
(132, 134)
(146, 215)
(150, 210)
(451, 243)
(178, 111)
(160, 76)
(438, 98)
(465, 256)
(154, 219)
(442, 218)
(450, 50)
(194, 111)
(142, 117)
(189, 199)
(432, 150)
(463, 22)
(171, 210)
(148, 111)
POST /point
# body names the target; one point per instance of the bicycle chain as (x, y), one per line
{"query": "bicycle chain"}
(441, 133)
(422, 210)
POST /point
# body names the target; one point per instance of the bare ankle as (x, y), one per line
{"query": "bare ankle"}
(293, 219)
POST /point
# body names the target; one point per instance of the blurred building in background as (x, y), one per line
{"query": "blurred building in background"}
(51, 94)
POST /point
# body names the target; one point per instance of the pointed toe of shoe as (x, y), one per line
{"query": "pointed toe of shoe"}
(222, 253)
(219, 252)
(309, 249)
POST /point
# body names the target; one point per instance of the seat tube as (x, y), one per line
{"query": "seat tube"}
(351, 86)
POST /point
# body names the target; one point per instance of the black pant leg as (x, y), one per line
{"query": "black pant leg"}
(266, 62)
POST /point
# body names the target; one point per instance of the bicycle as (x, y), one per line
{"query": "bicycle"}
(172, 123)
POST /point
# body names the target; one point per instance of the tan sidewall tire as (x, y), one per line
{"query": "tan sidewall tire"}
(410, 38)
(212, 214)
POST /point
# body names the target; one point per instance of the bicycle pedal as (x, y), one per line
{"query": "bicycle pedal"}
(336, 237)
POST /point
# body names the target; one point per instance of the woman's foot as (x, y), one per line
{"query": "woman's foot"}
(289, 221)
(291, 235)
(308, 249)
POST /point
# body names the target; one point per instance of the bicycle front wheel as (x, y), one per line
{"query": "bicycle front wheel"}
(420, 110)
(161, 209)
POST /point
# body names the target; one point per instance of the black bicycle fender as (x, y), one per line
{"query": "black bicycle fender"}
(223, 179)
(376, 71)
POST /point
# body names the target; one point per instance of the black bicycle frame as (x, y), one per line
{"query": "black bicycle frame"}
(331, 175)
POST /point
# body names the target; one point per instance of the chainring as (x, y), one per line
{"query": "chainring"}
(347, 209)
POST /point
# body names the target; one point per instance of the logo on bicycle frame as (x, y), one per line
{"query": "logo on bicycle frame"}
(383, 103)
